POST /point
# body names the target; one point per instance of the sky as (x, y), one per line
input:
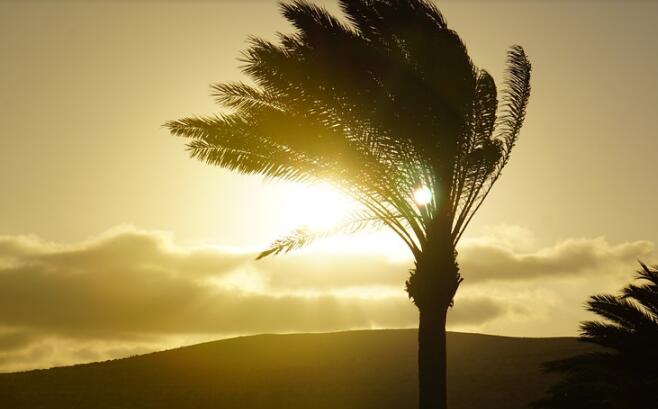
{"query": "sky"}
(114, 242)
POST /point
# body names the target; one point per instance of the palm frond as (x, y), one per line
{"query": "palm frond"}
(605, 334)
(514, 100)
(644, 295)
(620, 311)
(302, 236)
(509, 120)
(311, 19)
(242, 97)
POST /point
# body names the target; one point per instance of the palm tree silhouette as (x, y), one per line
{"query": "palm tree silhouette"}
(624, 373)
(380, 107)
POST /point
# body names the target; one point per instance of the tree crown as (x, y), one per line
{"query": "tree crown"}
(378, 106)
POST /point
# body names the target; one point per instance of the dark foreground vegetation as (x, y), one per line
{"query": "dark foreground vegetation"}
(624, 374)
(351, 370)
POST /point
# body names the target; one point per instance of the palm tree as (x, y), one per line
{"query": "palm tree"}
(379, 106)
(624, 372)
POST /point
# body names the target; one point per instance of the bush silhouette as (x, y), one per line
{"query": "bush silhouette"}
(624, 374)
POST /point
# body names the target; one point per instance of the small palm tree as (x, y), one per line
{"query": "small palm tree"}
(381, 107)
(624, 374)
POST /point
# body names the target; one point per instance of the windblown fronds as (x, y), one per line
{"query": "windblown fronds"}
(377, 107)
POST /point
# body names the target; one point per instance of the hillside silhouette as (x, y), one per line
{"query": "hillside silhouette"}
(356, 369)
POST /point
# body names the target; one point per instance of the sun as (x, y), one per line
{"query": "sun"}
(318, 206)
(423, 195)
(321, 207)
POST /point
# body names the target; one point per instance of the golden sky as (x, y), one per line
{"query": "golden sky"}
(86, 86)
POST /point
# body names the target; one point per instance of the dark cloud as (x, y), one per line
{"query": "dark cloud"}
(476, 311)
(34, 354)
(16, 339)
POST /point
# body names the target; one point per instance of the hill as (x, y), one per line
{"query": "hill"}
(355, 370)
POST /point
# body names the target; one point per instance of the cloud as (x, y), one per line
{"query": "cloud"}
(566, 259)
(325, 271)
(15, 339)
(134, 288)
(130, 290)
(131, 283)
(122, 248)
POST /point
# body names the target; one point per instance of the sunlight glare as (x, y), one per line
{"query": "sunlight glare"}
(423, 195)
(319, 207)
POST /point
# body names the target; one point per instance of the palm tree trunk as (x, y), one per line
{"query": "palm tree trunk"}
(432, 285)
(432, 380)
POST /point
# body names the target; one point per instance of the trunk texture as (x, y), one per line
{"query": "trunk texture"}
(432, 285)
(432, 363)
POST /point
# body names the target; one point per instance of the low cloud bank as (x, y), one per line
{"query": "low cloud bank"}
(566, 259)
(127, 290)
